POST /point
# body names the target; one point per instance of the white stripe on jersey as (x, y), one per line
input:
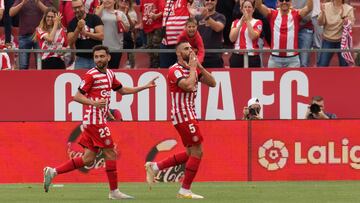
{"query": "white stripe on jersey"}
(183, 107)
(98, 75)
(173, 116)
(177, 109)
(100, 81)
(100, 87)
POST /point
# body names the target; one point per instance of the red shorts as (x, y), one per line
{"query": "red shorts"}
(95, 137)
(190, 133)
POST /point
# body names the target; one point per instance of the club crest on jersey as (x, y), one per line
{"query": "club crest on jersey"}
(178, 74)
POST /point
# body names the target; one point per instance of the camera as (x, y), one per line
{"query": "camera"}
(315, 108)
(253, 112)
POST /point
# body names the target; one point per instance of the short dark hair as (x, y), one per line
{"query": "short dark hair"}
(317, 98)
(100, 47)
(181, 42)
(191, 20)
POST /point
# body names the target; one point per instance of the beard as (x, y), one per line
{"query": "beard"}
(79, 15)
(101, 65)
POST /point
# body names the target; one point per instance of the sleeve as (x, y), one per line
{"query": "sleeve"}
(116, 84)
(175, 75)
(350, 15)
(234, 23)
(258, 26)
(97, 21)
(133, 16)
(86, 84)
(72, 25)
(221, 19)
(161, 5)
(181, 36)
(40, 34)
(200, 46)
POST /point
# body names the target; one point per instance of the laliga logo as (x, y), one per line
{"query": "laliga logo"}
(273, 155)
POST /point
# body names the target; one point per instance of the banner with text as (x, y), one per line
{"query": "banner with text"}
(284, 94)
(305, 150)
(27, 147)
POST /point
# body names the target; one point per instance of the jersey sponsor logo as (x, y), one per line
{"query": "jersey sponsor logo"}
(273, 155)
(105, 93)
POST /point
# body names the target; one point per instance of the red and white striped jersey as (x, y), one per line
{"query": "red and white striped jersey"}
(175, 23)
(60, 41)
(244, 41)
(183, 103)
(96, 85)
(2, 5)
(285, 31)
(4, 61)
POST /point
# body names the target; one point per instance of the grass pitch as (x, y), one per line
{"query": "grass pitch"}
(217, 192)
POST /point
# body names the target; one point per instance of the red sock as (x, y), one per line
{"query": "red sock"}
(70, 165)
(191, 168)
(111, 172)
(174, 160)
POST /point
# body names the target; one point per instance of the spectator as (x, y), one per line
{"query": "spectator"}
(316, 110)
(253, 110)
(226, 8)
(306, 34)
(318, 30)
(175, 16)
(126, 6)
(152, 12)
(211, 26)
(332, 16)
(245, 32)
(30, 14)
(280, 20)
(85, 31)
(191, 35)
(91, 5)
(5, 63)
(7, 20)
(112, 38)
(51, 36)
(66, 11)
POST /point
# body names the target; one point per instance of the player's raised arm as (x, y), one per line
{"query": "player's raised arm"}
(133, 90)
(188, 83)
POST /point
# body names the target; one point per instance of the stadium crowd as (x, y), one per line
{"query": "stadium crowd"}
(160, 24)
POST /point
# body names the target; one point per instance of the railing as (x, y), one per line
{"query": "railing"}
(245, 51)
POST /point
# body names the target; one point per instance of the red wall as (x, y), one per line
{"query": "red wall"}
(233, 150)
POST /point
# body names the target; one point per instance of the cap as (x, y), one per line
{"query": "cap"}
(253, 100)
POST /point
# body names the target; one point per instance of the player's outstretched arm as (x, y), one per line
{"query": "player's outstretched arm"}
(82, 99)
(133, 90)
(206, 77)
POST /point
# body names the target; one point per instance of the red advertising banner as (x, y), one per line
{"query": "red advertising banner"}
(305, 150)
(284, 93)
(27, 147)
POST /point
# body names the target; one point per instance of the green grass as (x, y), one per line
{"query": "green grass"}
(217, 192)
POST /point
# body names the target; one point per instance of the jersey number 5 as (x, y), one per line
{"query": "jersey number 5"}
(192, 128)
(104, 132)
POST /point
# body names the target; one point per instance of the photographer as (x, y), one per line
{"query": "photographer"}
(252, 110)
(317, 110)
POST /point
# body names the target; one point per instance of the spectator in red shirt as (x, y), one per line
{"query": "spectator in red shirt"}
(152, 14)
(192, 35)
(66, 11)
(51, 36)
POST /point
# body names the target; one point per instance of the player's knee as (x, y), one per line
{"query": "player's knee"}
(89, 161)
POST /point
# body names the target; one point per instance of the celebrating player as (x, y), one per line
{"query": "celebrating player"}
(94, 91)
(183, 78)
